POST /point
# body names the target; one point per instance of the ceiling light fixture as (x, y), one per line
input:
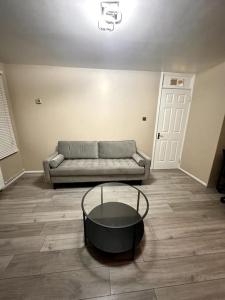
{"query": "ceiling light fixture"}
(110, 15)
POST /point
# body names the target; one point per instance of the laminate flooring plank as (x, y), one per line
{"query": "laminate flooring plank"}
(63, 241)
(142, 295)
(62, 227)
(171, 248)
(188, 229)
(20, 230)
(50, 216)
(37, 263)
(201, 205)
(78, 284)
(166, 272)
(20, 245)
(4, 261)
(209, 290)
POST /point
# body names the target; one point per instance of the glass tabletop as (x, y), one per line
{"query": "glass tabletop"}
(115, 205)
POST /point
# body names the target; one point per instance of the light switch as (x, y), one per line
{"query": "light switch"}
(144, 119)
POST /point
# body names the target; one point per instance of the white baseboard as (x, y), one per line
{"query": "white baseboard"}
(34, 172)
(13, 179)
(194, 177)
(17, 176)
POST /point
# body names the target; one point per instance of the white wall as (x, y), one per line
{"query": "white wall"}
(205, 123)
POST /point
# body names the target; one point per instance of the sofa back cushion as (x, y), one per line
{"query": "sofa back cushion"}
(117, 149)
(78, 149)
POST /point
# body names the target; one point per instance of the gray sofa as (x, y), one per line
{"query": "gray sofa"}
(78, 161)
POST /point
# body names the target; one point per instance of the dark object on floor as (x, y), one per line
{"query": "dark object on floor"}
(90, 184)
(220, 186)
(113, 226)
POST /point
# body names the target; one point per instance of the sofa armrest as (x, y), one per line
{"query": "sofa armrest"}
(46, 166)
(147, 162)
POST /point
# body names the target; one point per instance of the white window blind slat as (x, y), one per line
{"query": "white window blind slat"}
(7, 139)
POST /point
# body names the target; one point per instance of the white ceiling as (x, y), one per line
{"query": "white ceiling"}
(169, 35)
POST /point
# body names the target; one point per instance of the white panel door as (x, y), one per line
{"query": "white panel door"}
(172, 118)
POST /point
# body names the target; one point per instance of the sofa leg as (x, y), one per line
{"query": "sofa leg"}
(54, 186)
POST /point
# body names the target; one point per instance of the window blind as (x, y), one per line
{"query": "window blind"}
(7, 139)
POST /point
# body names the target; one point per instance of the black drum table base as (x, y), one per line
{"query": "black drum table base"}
(117, 228)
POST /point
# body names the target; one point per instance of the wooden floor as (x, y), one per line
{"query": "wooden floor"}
(42, 254)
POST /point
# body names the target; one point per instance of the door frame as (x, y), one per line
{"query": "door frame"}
(158, 110)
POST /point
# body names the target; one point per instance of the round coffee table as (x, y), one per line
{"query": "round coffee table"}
(113, 216)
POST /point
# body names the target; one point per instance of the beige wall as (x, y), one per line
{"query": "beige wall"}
(12, 165)
(205, 123)
(80, 104)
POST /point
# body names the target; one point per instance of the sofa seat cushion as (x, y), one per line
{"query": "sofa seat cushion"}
(97, 167)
